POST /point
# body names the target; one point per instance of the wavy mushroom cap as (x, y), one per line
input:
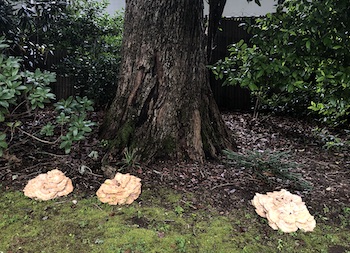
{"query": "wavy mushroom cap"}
(49, 185)
(122, 189)
(284, 211)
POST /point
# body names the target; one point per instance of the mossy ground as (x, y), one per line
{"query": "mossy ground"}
(160, 220)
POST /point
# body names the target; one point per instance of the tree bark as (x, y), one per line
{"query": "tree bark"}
(164, 107)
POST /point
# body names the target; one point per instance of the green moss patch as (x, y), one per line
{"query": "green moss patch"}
(160, 222)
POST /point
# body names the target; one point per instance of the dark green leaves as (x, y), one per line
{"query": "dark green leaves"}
(299, 54)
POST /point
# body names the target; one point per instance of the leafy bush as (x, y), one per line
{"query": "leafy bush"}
(34, 88)
(299, 57)
(10, 82)
(19, 88)
(332, 141)
(93, 43)
(271, 166)
(6, 18)
(90, 38)
(72, 113)
(26, 24)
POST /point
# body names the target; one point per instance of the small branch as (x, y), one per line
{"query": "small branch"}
(21, 114)
(222, 185)
(91, 173)
(51, 154)
(38, 139)
(190, 205)
(37, 165)
(98, 207)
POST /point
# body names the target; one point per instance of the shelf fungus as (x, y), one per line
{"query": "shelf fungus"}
(49, 185)
(121, 190)
(284, 211)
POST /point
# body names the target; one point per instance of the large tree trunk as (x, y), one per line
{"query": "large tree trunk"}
(164, 107)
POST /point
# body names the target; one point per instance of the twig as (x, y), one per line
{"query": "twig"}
(190, 205)
(51, 154)
(98, 207)
(202, 173)
(88, 171)
(194, 230)
(38, 139)
(256, 108)
(91, 173)
(21, 114)
(222, 185)
(61, 202)
(37, 165)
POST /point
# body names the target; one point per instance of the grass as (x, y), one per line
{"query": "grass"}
(159, 222)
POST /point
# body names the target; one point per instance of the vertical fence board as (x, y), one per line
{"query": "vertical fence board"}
(64, 85)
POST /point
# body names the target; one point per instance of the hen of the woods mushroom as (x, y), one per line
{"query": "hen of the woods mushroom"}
(122, 189)
(284, 211)
(49, 185)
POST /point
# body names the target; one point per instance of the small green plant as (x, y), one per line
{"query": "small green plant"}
(77, 130)
(346, 211)
(72, 115)
(3, 143)
(270, 166)
(181, 245)
(163, 227)
(130, 160)
(330, 141)
(345, 217)
(37, 86)
(136, 247)
(179, 210)
(47, 130)
(280, 244)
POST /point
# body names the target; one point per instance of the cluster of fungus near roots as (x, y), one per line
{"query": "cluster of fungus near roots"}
(49, 185)
(122, 189)
(284, 211)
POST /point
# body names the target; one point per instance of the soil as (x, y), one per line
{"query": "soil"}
(220, 184)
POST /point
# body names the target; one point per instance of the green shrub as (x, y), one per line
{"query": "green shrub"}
(72, 113)
(272, 167)
(31, 89)
(92, 40)
(17, 87)
(16, 84)
(299, 58)
(82, 30)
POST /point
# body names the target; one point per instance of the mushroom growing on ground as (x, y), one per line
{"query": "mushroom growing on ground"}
(122, 189)
(49, 185)
(284, 210)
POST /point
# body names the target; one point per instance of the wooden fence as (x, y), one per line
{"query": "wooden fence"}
(64, 85)
(229, 97)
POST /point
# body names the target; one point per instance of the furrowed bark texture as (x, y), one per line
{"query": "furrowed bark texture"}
(164, 106)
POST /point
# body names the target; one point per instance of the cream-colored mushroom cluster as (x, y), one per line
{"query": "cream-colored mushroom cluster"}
(284, 211)
(49, 185)
(122, 189)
